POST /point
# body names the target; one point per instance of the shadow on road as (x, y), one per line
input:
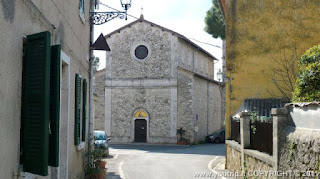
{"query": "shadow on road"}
(109, 157)
(201, 149)
(112, 175)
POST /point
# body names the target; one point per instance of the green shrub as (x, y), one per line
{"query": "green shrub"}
(307, 87)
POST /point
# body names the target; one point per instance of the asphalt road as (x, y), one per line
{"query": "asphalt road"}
(138, 161)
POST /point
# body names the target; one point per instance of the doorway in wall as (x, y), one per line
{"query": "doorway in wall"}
(140, 130)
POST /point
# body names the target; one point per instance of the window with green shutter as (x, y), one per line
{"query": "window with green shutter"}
(84, 108)
(77, 109)
(82, 10)
(54, 106)
(82, 6)
(36, 104)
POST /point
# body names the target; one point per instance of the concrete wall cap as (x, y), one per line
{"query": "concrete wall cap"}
(242, 114)
(279, 111)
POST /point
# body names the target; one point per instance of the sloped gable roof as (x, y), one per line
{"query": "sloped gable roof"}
(262, 106)
(164, 29)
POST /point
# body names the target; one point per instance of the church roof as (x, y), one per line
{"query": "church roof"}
(99, 72)
(164, 29)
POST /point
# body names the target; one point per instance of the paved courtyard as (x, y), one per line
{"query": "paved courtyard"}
(140, 161)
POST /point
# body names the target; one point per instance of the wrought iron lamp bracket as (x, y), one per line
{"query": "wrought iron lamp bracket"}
(99, 18)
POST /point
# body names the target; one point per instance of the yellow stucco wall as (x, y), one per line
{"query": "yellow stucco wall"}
(259, 32)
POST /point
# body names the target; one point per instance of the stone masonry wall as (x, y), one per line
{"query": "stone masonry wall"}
(300, 150)
(99, 109)
(159, 63)
(157, 104)
(215, 122)
(253, 165)
(194, 60)
(201, 108)
(233, 159)
(185, 103)
(197, 108)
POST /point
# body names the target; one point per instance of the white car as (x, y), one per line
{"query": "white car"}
(101, 141)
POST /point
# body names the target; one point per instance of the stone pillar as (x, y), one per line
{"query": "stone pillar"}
(280, 121)
(244, 134)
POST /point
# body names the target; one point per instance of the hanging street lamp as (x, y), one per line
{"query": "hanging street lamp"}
(126, 4)
(99, 18)
(219, 75)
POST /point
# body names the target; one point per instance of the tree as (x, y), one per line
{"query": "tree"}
(96, 63)
(307, 87)
(214, 21)
(283, 73)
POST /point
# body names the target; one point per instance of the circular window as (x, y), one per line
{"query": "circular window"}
(141, 52)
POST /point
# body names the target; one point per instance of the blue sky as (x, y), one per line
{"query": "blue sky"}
(183, 16)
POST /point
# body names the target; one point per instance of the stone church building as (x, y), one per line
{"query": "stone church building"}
(155, 82)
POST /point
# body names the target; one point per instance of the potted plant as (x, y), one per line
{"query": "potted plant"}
(182, 140)
(96, 170)
(99, 162)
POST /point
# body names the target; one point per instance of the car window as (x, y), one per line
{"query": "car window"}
(99, 136)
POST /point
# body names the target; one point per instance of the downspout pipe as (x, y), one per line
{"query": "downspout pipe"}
(90, 133)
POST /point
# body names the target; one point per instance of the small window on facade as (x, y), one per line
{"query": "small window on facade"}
(140, 51)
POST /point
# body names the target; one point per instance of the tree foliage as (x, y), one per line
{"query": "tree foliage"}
(214, 21)
(96, 63)
(307, 87)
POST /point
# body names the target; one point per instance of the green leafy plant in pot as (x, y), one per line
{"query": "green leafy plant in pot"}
(182, 140)
(96, 170)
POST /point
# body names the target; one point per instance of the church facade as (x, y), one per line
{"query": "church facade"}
(156, 81)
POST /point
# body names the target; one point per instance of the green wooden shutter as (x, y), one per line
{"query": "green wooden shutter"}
(54, 106)
(82, 7)
(77, 110)
(84, 110)
(36, 104)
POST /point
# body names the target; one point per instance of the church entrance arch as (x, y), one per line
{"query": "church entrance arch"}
(140, 126)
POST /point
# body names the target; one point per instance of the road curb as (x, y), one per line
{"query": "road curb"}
(213, 167)
(148, 144)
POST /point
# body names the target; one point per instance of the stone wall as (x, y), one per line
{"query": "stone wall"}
(157, 66)
(233, 159)
(99, 106)
(296, 150)
(194, 60)
(201, 108)
(185, 103)
(253, 161)
(207, 108)
(253, 164)
(156, 102)
(300, 150)
(216, 121)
